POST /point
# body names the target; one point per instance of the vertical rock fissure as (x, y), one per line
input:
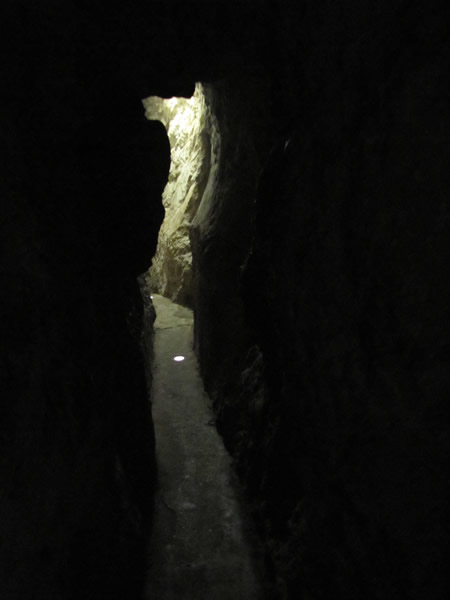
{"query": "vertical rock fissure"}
(187, 124)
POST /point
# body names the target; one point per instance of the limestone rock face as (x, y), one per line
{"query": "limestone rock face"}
(188, 126)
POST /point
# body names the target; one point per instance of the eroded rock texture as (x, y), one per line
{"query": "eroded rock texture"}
(221, 230)
(332, 389)
(188, 124)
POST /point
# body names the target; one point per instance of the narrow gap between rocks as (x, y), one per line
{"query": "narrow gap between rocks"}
(202, 544)
(188, 125)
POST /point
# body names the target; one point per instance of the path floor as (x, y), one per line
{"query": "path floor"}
(202, 545)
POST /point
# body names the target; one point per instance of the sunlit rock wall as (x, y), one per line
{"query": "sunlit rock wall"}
(187, 124)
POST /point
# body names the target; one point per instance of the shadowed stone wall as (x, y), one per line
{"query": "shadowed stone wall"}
(222, 228)
(79, 218)
(331, 384)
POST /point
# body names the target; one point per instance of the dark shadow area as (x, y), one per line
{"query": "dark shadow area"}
(320, 289)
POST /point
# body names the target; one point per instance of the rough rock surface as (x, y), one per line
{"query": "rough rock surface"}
(222, 229)
(331, 388)
(77, 464)
(188, 124)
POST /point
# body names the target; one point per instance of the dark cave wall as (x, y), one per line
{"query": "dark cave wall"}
(73, 392)
(339, 419)
(221, 230)
(82, 176)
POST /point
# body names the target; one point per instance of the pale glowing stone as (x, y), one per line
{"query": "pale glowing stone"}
(178, 358)
(187, 121)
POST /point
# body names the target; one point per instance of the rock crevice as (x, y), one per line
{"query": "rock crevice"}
(188, 125)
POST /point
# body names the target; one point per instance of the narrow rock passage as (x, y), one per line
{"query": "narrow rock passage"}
(202, 546)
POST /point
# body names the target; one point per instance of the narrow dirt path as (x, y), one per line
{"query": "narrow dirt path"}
(202, 546)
